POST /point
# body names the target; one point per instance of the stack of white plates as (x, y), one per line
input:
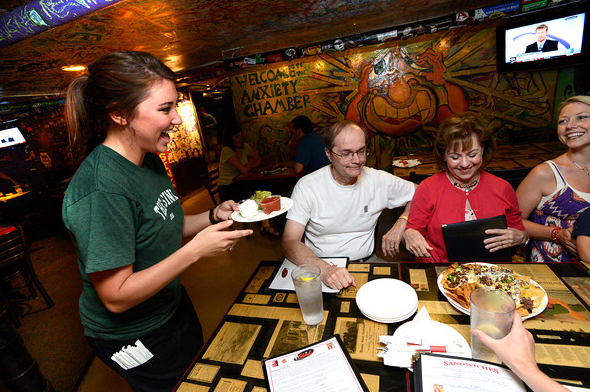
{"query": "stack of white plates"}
(387, 300)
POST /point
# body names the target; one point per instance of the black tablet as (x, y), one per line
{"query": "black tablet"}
(464, 240)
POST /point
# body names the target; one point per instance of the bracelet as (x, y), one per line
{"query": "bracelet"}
(212, 216)
(555, 234)
(528, 239)
(403, 217)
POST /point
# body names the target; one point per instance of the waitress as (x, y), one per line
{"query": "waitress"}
(128, 225)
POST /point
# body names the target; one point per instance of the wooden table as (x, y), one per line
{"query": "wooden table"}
(261, 175)
(506, 157)
(263, 323)
(281, 183)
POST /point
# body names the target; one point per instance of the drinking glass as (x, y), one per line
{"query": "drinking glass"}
(308, 287)
(492, 312)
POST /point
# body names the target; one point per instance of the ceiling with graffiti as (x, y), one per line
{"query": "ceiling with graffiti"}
(190, 36)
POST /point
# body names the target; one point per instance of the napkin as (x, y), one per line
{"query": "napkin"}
(416, 336)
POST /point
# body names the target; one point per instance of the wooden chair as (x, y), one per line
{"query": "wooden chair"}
(210, 178)
(15, 263)
(418, 178)
(513, 176)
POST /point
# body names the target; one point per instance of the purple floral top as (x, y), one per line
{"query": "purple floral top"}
(561, 210)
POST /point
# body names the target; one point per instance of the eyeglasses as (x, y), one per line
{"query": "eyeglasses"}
(347, 155)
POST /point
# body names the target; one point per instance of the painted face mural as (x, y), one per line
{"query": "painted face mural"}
(400, 92)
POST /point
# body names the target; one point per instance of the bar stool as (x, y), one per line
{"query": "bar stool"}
(15, 263)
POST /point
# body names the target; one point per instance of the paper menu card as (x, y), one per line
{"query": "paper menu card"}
(283, 281)
(324, 366)
(435, 373)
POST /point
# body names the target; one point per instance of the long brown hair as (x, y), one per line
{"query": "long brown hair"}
(117, 82)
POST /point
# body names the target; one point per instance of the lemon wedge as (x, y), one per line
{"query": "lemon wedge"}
(305, 279)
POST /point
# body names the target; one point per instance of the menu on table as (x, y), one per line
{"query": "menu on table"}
(437, 373)
(321, 367)
(283, 281)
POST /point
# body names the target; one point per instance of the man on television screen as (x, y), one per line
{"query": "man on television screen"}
(543, 44)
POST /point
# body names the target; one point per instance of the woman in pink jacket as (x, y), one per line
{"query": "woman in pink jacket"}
(461, 192)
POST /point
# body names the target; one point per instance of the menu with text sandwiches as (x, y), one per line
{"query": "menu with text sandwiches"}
(441, 373)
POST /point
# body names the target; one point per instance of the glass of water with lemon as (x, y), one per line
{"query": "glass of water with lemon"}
(308, 287)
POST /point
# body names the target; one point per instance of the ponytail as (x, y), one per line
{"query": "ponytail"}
(117, 82)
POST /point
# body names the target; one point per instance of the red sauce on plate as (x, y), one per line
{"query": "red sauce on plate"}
(271, 204)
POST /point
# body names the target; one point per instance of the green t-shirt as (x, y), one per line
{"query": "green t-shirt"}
(227, 171)
(121, 214)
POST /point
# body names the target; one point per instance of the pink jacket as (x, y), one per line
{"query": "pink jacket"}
(437, 202)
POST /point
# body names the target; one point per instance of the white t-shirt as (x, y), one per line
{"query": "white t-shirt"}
(339, 219)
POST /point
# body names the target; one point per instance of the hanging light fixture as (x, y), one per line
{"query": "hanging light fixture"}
(73, 68)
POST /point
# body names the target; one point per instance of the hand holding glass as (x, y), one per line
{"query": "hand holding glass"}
(491, 312)
(308, 286)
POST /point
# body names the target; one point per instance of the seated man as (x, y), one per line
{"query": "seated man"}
(310, 149)
(335, 209)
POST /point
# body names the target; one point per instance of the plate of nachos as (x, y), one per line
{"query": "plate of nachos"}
(458, 281)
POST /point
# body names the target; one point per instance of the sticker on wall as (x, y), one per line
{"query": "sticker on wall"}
(291, 53)
(479, 15)
(444, 24)
(387, 36)
(498, 11)
(408, 32)
(419, 30)
(313, 50)
(358, 40)
(534, 6)
(462, 16)
(327, 48)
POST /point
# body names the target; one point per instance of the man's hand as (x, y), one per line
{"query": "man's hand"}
(390, 243)
(299, 253)
(336, 277)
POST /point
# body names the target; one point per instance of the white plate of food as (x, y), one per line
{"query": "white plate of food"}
(406, 163)
(520, 288)
(286, 204)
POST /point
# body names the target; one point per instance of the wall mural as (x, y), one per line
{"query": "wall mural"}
(399, 92)
(186, 140)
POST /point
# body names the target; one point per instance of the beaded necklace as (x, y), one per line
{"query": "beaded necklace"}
(464, 187)
(467, 187)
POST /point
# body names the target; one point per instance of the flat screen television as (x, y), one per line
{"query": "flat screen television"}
(10, 137)
(566, 30)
